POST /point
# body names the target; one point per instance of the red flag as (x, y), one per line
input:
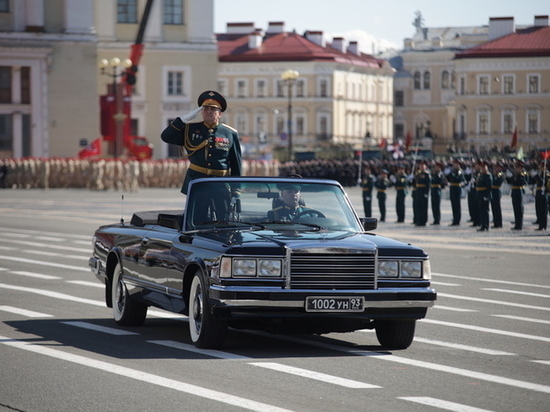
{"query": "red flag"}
(93, 149)
(383, 143)
(408, 142)
(514, 142)
(546, 155)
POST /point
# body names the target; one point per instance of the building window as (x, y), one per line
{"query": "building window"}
(399, 131)
(483, 122)
(508, 84)
(260, 88)
(300, 126)
(508, 122)
(445, 80)
(222, 87)
(534, 83)
(241, 124)
(323, 88)
(5, 84)
(280, 88)
(323, 127)
(399, 98)
(533, 122)
(280, 126)
(4, 6)
(175, 84)
(427, 80)
(462, 87)
(25, 85)
(173, 11)
(241, 88)
(416, 79)
(6, 132)
(26, 135)
(483, 85)
(300, 88)
(127, 11)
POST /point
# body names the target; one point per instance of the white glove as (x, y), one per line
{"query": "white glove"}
(393, 178)
(191, 115)
(534, 172)
(509, 173)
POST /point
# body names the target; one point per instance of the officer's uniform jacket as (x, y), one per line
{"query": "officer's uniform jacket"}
(212, 151)
(484, 185)
(367, 183)
(287, 213)
(422, 182)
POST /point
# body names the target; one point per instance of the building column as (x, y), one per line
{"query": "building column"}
(153, 32)
(34, 15)
(79, 17)
(200, 21)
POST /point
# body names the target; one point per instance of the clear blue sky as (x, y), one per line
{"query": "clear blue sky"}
(384, 23)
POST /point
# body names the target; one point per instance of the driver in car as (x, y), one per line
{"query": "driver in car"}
(292, 207)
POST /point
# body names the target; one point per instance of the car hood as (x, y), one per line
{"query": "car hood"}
(273, 242)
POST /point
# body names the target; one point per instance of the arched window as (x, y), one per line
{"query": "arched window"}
(427, 80)
(445, 80)
(417, 81)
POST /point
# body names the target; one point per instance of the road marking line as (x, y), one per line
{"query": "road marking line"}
(44, 263)
(496, 302)
(463, 347)
(454, 309)
(335, 380)
(441, 404)
(34, 275)
(504, 282)
(444, 284)
(86, 283)
(7, 248)
(98, 328)
(24, 312)
(517, 292)
(6, 230)
(544, 362)
(55, 295)
(49, 246)
(487, 330)
(142, 376)
(192, 348)
(545, 322)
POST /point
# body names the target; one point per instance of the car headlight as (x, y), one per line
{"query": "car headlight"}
(388, 269)
(244, 267)
(411, 269)
(270, 268)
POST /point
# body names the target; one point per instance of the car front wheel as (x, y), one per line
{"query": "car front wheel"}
(395, 334)
(127, 312)
(206, 331)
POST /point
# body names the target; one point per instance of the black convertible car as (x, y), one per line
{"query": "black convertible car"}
(287, 255)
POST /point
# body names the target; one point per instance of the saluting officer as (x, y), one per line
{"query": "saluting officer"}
(367, 184)
(484, 184)
(456, 181)
(438, 183)
(496, 194)
(213, 148)
(541, 204)
(518, 180)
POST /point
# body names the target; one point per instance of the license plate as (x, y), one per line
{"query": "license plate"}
(334, 304)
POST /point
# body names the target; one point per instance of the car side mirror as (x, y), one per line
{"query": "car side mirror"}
(369, 223)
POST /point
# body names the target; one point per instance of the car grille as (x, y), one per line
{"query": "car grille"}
(332, 271)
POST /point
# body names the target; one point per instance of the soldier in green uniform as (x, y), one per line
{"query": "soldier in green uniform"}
(292, 206)
(213, 148)
(367, 184)
(422, 184)
(456, 180)
(518, 180)
(496, 194)
(471, 176)
(484, 184)
(382, 184)
(541, 204)
(438, 184)
(401, 193)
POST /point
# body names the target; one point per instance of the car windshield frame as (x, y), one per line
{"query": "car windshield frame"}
(244, 202)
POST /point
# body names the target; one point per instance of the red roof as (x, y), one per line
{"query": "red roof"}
(286, 47)
(530, 42)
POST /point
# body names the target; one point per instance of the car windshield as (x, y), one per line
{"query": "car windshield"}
(273, 205)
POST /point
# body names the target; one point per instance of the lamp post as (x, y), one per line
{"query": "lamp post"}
(289, 77)
(116, 89)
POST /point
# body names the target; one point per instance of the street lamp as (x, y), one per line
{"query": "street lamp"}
(289, 77)
(116, 89)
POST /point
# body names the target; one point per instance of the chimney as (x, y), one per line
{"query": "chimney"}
(275, 27)
(240, 28)
(541, 21)
(255, 39)
(315, 37)
(500, 26)
(353, 48)
(338, 44)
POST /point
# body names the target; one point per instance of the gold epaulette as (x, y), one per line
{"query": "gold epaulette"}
(230, 128)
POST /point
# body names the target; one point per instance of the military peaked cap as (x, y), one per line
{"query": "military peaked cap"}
(212, 98)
